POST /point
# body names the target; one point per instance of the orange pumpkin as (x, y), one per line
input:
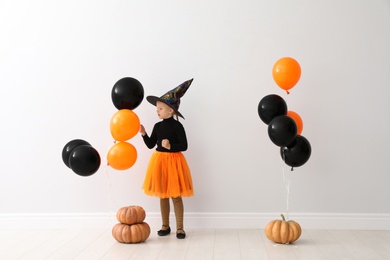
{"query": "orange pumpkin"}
(282, 231)
(130, 215)
(135, 233)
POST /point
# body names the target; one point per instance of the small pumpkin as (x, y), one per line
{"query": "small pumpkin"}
(130, 215)
(282, 231)
(135, 233)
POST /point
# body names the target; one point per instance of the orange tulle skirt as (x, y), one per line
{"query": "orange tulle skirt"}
(168, 176)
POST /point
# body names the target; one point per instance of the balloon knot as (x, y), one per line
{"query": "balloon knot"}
(292, 168)
(287, 92)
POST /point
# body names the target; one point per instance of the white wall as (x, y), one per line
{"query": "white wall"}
(59, 61)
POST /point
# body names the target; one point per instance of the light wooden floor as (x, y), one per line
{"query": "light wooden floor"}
(199, 244)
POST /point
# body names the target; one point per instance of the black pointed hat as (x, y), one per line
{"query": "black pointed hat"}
(172, 97)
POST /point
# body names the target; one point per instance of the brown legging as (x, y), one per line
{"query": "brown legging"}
(179, 212)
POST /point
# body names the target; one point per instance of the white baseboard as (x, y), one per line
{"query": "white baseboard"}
(221, 220)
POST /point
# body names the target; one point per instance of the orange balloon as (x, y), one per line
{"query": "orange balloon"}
(286, 73)
(122, 156)
(124, 125)
(297, 119)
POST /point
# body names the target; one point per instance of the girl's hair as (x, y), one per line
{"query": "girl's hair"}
(174, 115)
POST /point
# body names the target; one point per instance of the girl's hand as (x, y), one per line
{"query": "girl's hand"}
(142, 130)
(165, 143)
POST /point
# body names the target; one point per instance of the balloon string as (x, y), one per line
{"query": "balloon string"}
(113, 204)
(287, 183)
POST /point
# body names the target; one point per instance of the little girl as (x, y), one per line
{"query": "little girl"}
(168, 174)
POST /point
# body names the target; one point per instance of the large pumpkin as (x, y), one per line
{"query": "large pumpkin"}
(135, 233)
(282, 231)
(131, 215)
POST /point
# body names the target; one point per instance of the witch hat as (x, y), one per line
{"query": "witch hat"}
(172, 97)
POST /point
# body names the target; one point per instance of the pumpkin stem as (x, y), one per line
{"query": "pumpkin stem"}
(283, 218)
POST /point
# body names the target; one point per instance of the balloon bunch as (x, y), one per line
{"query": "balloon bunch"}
(126, 94)
(84, 160)
(285, 127)
(81, 157)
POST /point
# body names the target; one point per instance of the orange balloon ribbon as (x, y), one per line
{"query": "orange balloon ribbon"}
(122, 156)
(124, 125)
(297, 119)
(286, 73)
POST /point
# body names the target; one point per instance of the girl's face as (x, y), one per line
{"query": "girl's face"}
(163, 110)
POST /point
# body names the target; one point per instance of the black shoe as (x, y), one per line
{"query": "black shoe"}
(164, 232)
(181, 235)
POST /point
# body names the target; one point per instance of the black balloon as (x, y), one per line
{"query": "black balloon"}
(84, 160)
(127, 93)
(297, 153)
(69, 147)
(270, 107)
(282, 130)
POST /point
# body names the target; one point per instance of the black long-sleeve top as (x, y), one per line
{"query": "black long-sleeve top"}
(170, 129)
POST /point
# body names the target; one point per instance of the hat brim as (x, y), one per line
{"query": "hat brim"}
(153, 100)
